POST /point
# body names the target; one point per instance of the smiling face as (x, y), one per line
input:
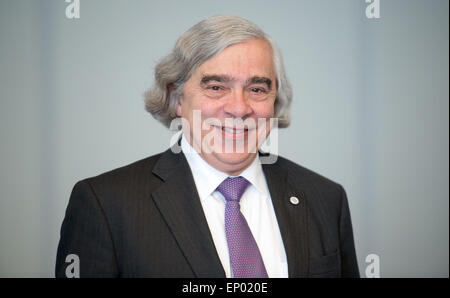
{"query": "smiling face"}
(233, 91)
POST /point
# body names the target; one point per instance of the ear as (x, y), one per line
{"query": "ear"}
(180, 106)
(170, 87)
(179, 114)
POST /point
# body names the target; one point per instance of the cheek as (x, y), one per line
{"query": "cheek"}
(190, 100)
(211, 108)
(264, 109)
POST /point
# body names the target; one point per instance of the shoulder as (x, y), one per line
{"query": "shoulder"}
(320, 192)
(135, 176)
(299, 174)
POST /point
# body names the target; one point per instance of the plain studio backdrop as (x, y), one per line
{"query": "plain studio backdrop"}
(370, 111)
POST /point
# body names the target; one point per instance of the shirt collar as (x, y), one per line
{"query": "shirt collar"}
(208, 178)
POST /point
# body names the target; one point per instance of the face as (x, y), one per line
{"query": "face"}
(227, 104)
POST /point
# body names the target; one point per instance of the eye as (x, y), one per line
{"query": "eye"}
(215, 88)
(215, 91)
(258, 90)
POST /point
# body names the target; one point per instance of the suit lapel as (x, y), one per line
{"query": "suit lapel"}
(292, 219)
(179, 204)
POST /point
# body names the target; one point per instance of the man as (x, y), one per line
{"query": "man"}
(213, 209)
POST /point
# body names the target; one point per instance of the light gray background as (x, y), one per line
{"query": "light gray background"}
(370, 111)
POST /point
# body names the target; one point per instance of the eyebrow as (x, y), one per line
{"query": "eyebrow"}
(261, 80)
(216, 78)
(225, 79)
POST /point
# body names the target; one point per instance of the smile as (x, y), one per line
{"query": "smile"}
(233, 132)
(232, 129)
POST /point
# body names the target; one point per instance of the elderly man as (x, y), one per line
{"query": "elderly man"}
(213, 208)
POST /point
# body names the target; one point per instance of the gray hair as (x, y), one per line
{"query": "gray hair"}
(198, 44)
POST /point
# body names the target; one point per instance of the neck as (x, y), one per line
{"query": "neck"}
(230, 166)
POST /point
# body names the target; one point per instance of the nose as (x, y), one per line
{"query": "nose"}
(237, 105)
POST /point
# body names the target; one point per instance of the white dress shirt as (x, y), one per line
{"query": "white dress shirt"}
(256, 206)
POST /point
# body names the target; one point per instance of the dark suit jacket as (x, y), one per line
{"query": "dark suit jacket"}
(146, 220)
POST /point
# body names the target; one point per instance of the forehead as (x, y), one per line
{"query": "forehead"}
(242, 60)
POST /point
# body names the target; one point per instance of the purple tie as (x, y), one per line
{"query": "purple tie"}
(246, 260)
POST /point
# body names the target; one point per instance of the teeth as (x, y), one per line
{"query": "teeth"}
(233, 130)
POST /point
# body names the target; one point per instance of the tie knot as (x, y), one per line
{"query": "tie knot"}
(233, 188)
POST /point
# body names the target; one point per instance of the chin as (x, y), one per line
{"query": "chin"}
(234, 162)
